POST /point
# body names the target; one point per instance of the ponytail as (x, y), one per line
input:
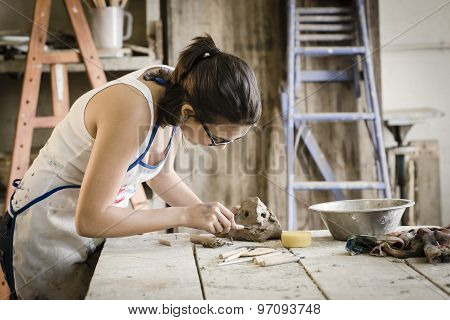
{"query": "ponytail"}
(202, 47)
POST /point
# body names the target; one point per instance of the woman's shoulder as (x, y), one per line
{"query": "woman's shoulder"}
(120, 104)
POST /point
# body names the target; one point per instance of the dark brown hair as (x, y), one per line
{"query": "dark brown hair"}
(220, 87)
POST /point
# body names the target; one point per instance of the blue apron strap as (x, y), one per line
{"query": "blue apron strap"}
(16, 183)
(152, 137)
(174, 129)
(146, 165)
(8, 257)
(38, 199)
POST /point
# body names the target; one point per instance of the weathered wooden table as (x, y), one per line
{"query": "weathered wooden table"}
(140, 268)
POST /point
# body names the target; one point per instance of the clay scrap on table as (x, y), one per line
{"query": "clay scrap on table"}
(261, 223)
(209, 242)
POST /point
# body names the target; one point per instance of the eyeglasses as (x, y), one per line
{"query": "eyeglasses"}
(215, 140)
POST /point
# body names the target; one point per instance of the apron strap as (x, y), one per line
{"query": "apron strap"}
(152, 137)
(6, 252)
(38, 199)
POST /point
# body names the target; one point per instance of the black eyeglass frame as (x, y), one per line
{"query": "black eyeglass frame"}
(217, 141)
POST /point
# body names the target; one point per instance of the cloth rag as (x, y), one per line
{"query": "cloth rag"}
(432, 243)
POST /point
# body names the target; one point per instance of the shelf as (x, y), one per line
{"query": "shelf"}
(109, 64)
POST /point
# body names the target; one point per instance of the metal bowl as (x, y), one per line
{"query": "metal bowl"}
(363, 216)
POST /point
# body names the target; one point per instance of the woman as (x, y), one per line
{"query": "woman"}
(76, 192)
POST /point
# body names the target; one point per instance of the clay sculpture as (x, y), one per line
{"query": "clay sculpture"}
(261, 224)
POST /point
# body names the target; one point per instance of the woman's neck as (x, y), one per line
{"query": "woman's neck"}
(157, 91)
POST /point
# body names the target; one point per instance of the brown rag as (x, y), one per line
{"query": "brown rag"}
(433, 243)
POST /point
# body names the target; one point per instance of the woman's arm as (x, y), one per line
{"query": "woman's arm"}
(118, 112)
(168, 184)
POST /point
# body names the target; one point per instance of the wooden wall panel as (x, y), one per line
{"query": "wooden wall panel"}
(253, 30)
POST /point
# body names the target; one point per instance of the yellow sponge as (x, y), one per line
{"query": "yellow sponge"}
(296, 239)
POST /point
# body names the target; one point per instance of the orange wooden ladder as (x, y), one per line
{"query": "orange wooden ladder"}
(27, 120)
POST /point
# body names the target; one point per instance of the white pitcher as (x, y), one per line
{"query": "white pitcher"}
(107, 27)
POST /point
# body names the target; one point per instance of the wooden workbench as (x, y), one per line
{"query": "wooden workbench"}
(140, 268)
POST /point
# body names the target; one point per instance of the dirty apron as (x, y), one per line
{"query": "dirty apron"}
(42, 255)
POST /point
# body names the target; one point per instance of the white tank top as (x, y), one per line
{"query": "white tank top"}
(45, 232)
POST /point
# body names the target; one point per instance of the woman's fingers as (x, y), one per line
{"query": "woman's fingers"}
(228, 214)
(224, 221)
(218, 227)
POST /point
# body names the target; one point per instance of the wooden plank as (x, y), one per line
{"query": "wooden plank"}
(154, 28)
(253, 30)
(46, 121)
(139, 267)
(61, 56)
(60, 89)
(438, 274)
(342, 276)
(249, 281)
(109, 64)
(428, 185)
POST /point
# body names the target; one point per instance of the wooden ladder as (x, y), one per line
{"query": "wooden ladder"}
(27, 120)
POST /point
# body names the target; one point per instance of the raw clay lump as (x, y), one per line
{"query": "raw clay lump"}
(261, 222)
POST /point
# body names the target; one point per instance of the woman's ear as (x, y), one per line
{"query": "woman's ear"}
(186, 112)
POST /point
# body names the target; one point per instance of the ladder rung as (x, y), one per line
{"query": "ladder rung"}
(325, 75)
(45, 121)
(322, 10)
(330, 51)
(324, 37)
(334, 116)
(325, 27)
(330, 185)
(324, 19)
(61, 56)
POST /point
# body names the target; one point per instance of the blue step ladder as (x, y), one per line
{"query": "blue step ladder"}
(326, 32)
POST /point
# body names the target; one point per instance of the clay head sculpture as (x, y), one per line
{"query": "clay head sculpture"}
(261, 223)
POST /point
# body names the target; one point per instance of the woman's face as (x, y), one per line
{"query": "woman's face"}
(195, 133)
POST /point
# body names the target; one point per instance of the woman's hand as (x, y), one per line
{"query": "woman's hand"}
(212, 217)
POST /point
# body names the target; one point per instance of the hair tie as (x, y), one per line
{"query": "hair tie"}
(208, 54)
(157, 79)
(211, 53)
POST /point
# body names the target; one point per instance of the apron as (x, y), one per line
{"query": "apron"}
(42, 255)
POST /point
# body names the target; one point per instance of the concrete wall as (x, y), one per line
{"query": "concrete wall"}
(416, 71)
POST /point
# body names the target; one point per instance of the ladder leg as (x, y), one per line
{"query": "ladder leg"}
(374, 97)
(60, 89)
(290, 156)
(85, 41)
(29, 97)
(371, 127)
